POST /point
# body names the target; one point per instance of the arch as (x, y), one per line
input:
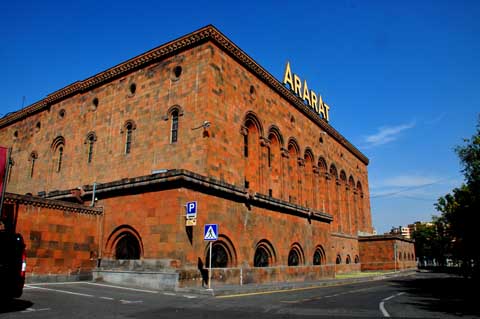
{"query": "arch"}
(359, 187)
(129, 124)
(319, 256)
(343, 177)
(293, 144)
(338, 260)
(322, 164)
(124, 241)
(275, 131)
(58, 146)
(172, 109)
(251, 117)
(223, 253)
(264, 254)
(57, 142)
(333, 171)
(351, 182)
(357, 259)
(308, 188)
(348, 260)
(275, 148)
(296, 256)
(127, 247)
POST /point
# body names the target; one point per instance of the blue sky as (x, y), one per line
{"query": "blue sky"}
(402, 78)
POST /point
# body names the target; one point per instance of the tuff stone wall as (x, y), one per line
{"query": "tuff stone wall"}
(294, 158)
(379, 253)
(61, 238)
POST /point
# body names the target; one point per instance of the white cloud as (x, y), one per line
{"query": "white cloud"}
(387, 134)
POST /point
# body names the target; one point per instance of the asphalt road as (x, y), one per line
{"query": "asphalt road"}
(422, 295)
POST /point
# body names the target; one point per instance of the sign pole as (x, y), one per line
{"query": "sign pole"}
(210, 267)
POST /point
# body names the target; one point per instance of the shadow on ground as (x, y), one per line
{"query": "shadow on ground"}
(14, 305)
(446, 293)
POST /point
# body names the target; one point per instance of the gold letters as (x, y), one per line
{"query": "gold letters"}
(308, 96)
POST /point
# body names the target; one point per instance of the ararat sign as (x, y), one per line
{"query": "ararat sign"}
(308, 96)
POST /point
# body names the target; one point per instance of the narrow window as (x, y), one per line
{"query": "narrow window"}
(245, 145)
(60, 155)
(174, 136)
(91, 138)
(128, 141)
(33, 158)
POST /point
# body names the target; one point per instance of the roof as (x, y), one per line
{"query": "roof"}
(205, 34)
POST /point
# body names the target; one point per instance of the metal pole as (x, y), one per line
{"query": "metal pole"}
(210, 267)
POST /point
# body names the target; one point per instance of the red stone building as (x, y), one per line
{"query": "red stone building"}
(195, 119)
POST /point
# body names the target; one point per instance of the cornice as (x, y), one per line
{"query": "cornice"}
(11, 198)
(179, 178)
(208, 33)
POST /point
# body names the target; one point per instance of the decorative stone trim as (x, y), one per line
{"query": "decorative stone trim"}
(183, 178)
(11, 198)
(208, 33)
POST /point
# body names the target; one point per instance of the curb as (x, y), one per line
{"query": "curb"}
(223, 291)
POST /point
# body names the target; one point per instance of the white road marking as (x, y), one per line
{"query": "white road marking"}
(189, 296)
(119, 287)
(62, 291)
(169, 294)
(106, 298)
(382, 304)
(33, 309)
(130, 301)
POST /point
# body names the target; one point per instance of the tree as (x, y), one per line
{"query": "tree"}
(461, 208)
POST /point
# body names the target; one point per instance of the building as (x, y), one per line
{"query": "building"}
(104, 167)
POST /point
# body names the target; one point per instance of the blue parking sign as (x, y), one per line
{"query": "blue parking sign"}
(191, 209)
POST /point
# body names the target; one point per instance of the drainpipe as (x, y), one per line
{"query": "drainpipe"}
(93, 194)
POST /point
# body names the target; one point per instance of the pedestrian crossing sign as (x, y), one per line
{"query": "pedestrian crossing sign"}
(210, 232)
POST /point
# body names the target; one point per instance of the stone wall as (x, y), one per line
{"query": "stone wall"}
(61, 238)
(386, 252)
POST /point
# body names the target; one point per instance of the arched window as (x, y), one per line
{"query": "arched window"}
(220, 256)
(295, 256)
(128, 139)
(57, 147)
(348, 260)
(357, 259)
(261, 258)
(264, 255)
(90, 141)
(59, 159)
(33, 158)
(319, 256)
(128, 128)
(174, 129)
(338, 261)
(127, 247)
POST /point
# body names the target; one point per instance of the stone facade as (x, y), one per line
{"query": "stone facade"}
(61, 237)
(387, 252)
(196, 119)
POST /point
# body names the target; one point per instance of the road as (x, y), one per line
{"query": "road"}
(422, 295)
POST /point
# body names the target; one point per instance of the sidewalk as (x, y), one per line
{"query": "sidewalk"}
(231, 290)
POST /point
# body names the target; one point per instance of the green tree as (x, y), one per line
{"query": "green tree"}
(461, 208)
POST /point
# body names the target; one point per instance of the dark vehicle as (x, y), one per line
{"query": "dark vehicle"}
(12, 265)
